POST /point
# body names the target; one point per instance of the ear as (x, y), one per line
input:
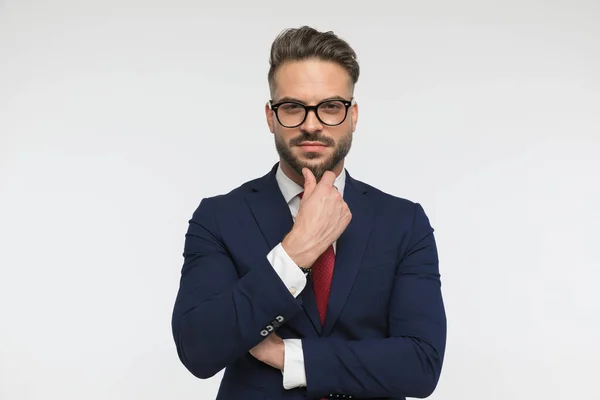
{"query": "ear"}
(270, 115)
(354, 115)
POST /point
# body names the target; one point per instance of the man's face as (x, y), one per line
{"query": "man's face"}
(312, 144)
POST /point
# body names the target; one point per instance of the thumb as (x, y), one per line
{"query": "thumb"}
(309, 182)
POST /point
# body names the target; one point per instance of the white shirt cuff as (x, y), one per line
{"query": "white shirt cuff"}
(294, 374)
(292, 276)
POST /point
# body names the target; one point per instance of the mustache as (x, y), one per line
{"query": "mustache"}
(308, 137)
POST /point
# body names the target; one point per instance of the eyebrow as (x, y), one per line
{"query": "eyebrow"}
(288, 98)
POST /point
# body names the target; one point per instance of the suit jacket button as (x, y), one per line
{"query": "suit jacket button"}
(269, 328)
(279, 318)
(264, 332)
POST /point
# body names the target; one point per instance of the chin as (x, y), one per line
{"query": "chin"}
(313, 155)
(315, 165)
(313, 158)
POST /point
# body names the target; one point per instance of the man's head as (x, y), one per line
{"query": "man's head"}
(311, 68)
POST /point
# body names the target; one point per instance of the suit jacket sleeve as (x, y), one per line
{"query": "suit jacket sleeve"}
(406, 363)
(219, 315)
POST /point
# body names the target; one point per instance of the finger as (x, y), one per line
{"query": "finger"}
(328, 178)
(309, 182)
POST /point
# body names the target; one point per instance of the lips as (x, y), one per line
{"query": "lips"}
(312, 144)
(312, 147)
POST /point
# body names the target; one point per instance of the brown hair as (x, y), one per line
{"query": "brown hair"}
(304, 43)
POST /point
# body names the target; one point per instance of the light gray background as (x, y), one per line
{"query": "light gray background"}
(117, 117)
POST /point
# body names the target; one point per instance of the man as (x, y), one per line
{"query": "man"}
(307, 283)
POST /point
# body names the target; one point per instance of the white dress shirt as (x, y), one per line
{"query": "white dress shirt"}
(294, 279)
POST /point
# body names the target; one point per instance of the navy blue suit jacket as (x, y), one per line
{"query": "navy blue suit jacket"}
(384, 334)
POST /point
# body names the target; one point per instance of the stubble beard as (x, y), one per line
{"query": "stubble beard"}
(340, 152)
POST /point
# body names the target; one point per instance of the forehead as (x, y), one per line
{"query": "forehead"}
(311, 80)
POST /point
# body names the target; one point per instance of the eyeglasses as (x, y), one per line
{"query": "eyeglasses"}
(291, 114)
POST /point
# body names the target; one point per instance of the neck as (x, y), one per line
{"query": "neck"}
(299, 179)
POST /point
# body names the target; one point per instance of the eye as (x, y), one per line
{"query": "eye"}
(332, 106)
(290, 107)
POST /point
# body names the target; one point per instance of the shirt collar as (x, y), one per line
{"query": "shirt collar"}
(291, 189)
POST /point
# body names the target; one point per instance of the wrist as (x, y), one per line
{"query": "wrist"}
(305, 270)
(277, 357)
(299, 249)
(281, 361)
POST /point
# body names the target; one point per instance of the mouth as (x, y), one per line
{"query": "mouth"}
(312, 146)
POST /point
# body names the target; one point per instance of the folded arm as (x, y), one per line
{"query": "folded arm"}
(219, 316)
(408, 362)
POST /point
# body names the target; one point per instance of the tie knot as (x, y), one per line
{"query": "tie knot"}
(300, 195)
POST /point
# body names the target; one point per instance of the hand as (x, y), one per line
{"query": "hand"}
(322, 218)
(271, 351)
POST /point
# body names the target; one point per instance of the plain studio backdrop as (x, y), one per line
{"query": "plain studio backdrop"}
(118, 117)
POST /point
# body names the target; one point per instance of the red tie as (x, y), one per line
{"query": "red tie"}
(322, 274)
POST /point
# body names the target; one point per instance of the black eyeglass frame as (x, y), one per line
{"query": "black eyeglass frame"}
(307, 109)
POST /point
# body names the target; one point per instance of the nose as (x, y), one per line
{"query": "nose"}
(311, 124)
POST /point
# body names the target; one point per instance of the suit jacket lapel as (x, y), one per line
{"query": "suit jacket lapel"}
(350, 248)
(309, 303)
(270, 210)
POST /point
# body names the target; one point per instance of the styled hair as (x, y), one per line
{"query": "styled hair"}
(297, 44)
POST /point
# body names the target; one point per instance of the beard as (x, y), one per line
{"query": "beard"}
(340, 152)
